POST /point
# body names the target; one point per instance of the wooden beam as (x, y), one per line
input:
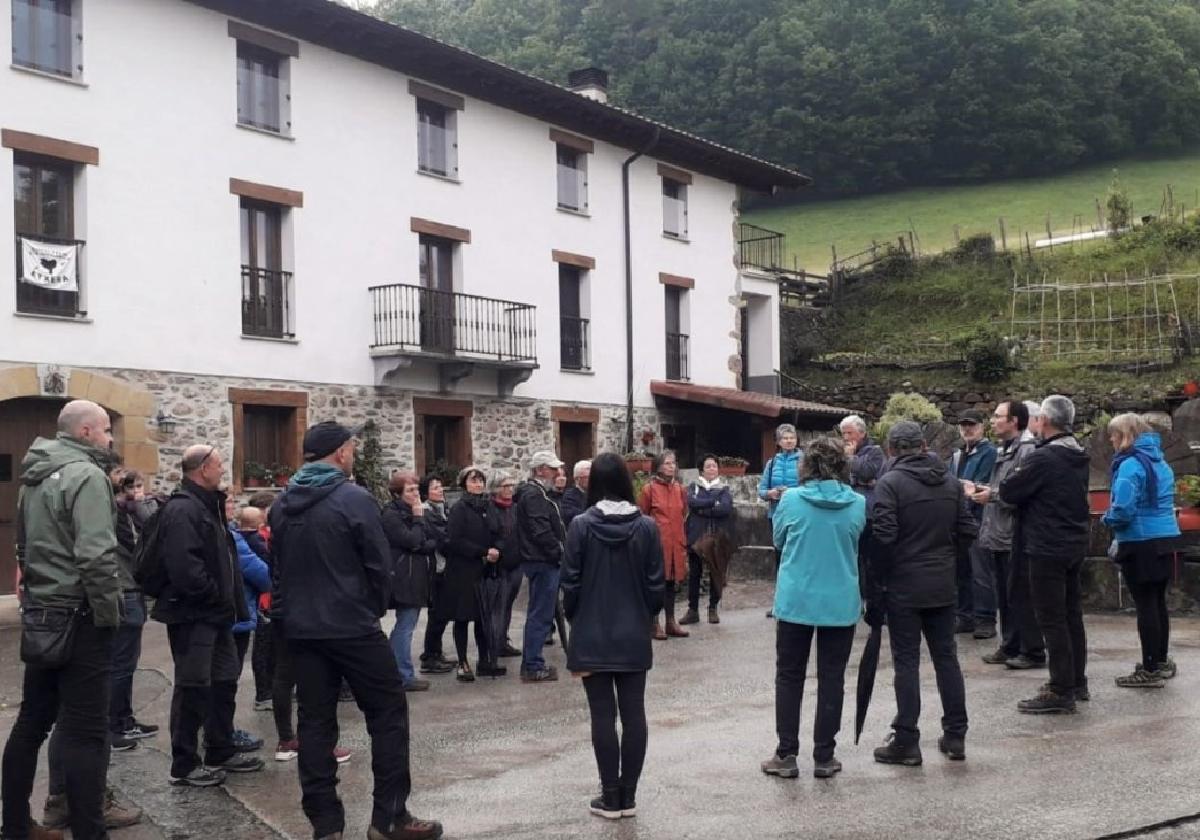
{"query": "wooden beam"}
(37, 144)
(438, 229)
(256, 396)
(574, 414)
(572, 141)
(676, 280)
(577, 260)
(443, 408)
(442, 97)
(269, 194)
(262, 38)
(674, 174)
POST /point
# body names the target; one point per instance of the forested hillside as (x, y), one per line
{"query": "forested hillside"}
(869, 94)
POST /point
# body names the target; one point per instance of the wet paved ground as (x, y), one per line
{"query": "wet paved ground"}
(498, 759)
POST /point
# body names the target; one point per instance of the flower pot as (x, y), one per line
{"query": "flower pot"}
(256, 482)
(636, 465)
(1099, 502)
(1189, 519)
(281, 479)
(731, 469)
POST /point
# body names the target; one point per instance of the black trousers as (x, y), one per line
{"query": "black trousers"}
(1010, 635)
(792, 645)
(435, 628)
(206, 674)
(906, 626)
(695, 573)
(262, 659)
(460, 641)
(1057, 600)
(369, 666)
(127, 650)
(1027, 632)
(513, 578)
(609, 694)
(283, 682)
(77, 697)
(1153, 621)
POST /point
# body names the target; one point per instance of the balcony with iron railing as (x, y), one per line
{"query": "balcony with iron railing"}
(677, 356)
(35, 299)
(761, 248)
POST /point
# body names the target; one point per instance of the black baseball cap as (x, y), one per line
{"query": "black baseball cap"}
(971, 415)
(322, 439)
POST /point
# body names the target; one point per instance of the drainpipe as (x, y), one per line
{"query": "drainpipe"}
(629, 289)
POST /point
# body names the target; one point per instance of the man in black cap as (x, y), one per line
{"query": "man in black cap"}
(972, 465)
(331, 587)
(920, 519)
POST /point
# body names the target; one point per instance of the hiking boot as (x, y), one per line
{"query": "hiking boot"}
(239, 764)
(37, 832)
(547, 674)
(409, 828)
(782, 766)
(690, 617)
(138, 730)
(464, 673)
(657, 632)
(341, 755)
(1023, 662)
(509, 650)
(438, 666)
(417, 685)
(997, 657)
(827, 769)
(674, 630)
(713, 616)
(894, 753)
(243, 741)
(1167, 670)
(985, 630)
(119, 743)
(117, 815)
(267, 705)
(1141, 678)
(200, 777)
(953, 747)
(628, 800)
(1047, 702)
(488, 669)
(608, 803)
(55, 813)
(963, 625)
(287, 750)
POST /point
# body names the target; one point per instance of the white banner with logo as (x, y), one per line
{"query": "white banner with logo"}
(49, 265)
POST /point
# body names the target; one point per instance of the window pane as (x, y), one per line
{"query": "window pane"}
(568, 291)
(25, 194)
(56, 203)
(674, 208)
(42, 36)
(433, 138)
(259, 90)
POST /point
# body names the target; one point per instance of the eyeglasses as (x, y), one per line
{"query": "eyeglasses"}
(507, 486)
(202, 461)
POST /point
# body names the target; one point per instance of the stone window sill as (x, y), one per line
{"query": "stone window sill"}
(291, 340)
(447, 178)
(66, 319)
(675, 238)
(578, 371)
(44, 74)
(583, 214)
(278, 135)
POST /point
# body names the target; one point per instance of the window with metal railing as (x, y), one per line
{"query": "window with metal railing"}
(266, 287)
(677, 339)
(574, 352)
(49, 265)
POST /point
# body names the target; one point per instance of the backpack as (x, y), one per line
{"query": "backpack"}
(148, 568)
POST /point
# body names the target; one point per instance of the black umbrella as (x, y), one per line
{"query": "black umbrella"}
(866, 677)
(492, 593)
(560, 619)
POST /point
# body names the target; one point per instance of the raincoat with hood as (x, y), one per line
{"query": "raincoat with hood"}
(1049, 487)
(331, 556)
(666, 502)
(612, 585)
(921, 517)
(1134, 515)
(69, 529)
(816, 529)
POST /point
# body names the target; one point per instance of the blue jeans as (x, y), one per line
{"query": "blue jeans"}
(543, 596)
(983, 586)
(127, 650)
(401, 639)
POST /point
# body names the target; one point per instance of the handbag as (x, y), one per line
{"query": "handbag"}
(48, 635)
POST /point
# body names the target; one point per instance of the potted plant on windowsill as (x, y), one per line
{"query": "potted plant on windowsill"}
(731, 465)
(281, 474)
(255, 474)
(1187, 497)
(638, 462)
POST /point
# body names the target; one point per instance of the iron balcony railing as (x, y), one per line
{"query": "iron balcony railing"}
(38, 300)
(759, 247)
(575, 350)
(677, 356)
(416, 319)
(265, 297)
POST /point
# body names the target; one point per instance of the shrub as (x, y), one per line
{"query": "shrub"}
(1187, 491)
(986, 355)
(368, 463)
(906, 407)
(1118, 206)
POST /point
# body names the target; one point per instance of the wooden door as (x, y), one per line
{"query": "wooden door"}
(21, 421)
(576, 442)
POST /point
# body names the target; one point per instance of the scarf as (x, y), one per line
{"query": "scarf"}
(1147, 464)
(317, 474)
(502, 503)
(709, 485)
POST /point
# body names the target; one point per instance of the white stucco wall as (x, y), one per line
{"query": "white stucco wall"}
(162, 254)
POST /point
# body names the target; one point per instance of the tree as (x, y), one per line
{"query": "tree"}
(368, 463)
(1118, 206)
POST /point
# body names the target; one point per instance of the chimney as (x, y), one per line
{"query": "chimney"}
(591, 82)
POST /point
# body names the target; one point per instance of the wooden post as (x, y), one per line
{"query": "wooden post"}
(1049, 235)
(956, 239)
(1003, 236)
(1099, 216)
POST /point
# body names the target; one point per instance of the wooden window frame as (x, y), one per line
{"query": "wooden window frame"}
(578, 260)
(38, 144)
(436, 95)
(266, 193)
(463, 410)
(573, 141)
(33, 300)
(442, 231)
(294, 440)
(676, 280)
(281, 46)
(672, 174)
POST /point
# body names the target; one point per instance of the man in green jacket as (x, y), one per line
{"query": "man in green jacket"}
(67, 547)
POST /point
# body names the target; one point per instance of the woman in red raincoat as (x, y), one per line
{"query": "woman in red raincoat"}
(664, 499)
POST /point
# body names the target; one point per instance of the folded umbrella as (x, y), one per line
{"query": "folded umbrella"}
(560, 619)
(866, 677)
(716, 549)
(491, 592)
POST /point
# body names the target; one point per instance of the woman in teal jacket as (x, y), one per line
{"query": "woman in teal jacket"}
(1142, 518)
(816, 529)
(779, 474)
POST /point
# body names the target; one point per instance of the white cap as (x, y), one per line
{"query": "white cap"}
(545, 458)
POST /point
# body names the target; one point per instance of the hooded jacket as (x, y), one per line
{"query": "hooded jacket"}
(540, 532)
(783, 470)
(999, 517)
(612, 585)
(1049, 489)
(922, 520)
(66, 533)
(1133, 515)
(974, 465)
(256, 579)
(413, 541)
(572, 503)
(331, 557)
(866, 465)
(666, 503)
(204, 580)
(816, 530)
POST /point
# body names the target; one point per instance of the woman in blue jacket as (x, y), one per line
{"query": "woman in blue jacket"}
(256, 579)
(816, 529)
(780, 473)
(1142, 518)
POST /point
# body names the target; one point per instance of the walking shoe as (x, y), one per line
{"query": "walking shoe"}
(1167, 670)
(1141, 678)
(243, 741)
(200, 777)
(963, 625)
(985, 630)
(656, 631)
(239, 764)
(341, 755)
(488, 669)
(894, 753)
(287, 750)
(547, 674)
(38, 832)
(690, 617)
(509, 650)
(1082, 695)
(770, 613)
(439, 665)
(782, 766)
(674, 630)
(410, 828)
(998, 657)
(549, 640)
(55, 813)
(1047, 702)
(607, 804)
(827, 769)
(267, 705)
(713, 617)
(1023, 662)
(464, 673)
(137, 730)
(417, 685)
(119, 743)
(117, 815)
(953, 747)
(628, 801)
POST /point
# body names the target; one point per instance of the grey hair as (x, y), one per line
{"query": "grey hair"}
(1035, 408)
(580, 466)
(498, 478)
(79, 413)
(783, 429)
(1059, 412)
(855, 421)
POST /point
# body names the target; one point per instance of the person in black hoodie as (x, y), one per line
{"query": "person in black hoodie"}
(1049, 489)
(333, 562)
(434, 495)
(612, 584)
(413, 541)
(503, 512)
(574, 498)
(202, 600)
(921, 521)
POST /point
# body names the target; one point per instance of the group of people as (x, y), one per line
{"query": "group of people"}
(308, 574)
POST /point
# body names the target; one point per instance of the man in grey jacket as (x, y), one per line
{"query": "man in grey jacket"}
(1021, 644)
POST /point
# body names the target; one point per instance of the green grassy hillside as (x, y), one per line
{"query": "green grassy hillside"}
(851, 224)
